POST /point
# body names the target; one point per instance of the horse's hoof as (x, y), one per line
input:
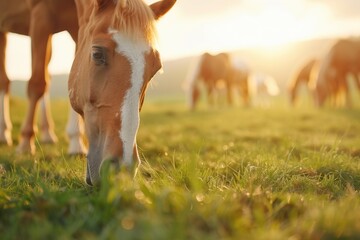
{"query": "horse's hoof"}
(26, 147)
(5, 138)
(49, 137)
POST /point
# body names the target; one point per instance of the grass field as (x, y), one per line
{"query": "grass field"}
(232, 173)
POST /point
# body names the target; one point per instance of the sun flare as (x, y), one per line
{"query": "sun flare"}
(266, 24)
(269, 26)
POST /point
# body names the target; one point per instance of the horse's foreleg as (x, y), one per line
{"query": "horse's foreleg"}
(46, 121)
(357, 80)
(229, 93)
(75, 125)
(293, 88)
(244, 91)
(211, 95)
(75, 131)
(40, 33)
(5, 122)
(194, 96)
(347, 96)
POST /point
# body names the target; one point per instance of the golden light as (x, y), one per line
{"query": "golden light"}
(258, 23)
(271, 25)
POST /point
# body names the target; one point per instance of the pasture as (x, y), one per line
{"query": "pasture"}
(231, 173)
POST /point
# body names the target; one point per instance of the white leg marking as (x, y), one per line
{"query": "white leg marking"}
(5, 123)
(130, 120)
(75, 132)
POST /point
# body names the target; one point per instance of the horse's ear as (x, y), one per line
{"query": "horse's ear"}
(160, 8)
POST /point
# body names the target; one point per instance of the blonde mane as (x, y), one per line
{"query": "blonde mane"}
(135, 19)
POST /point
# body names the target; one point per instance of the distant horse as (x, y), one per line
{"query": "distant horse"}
(302, 77)
(217, 73)
(262, 88)
(115, 60)
(331, 82)
(39, 19)
(240, 80)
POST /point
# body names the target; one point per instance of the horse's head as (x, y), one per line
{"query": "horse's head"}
(114, 62)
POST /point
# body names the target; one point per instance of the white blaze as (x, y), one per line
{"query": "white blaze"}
(135, 53)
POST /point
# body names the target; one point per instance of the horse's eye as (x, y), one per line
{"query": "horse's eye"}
(99, 55)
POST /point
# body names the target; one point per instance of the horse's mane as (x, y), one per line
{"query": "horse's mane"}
(135, 19)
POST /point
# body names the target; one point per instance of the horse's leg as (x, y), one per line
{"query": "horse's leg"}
(195, 95)
(244, 91)
(75, 132)
(5, 122)
(40, 33)
(357, 80)
(46, 121)
(75, 124)
(210, 94)
(229, 93)
(293, 89)
(320, 95)
(345, 87)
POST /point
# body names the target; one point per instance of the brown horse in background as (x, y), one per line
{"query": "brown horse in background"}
(115, 60)
(331, 82)
(38, 19)
(216, 73)
(302, 77)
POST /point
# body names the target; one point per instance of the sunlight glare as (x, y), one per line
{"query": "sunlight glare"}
(271, 25)
(258, 23)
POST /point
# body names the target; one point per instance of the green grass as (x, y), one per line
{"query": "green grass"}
(232, 173)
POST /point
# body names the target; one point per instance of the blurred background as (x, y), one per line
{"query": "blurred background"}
(275, 37)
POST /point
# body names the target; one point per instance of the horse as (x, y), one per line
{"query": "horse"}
(38, 19)
(331, 82)
(254, 87)
(302, 77)
(262, 88)
(240, 80)
(115, 60)
(216, 73)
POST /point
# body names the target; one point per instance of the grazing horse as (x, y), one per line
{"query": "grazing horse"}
(240, 80)
(217, 72)
(39, 19)
(115, 59)
(262, 88)
(331, 83)
(302, 77)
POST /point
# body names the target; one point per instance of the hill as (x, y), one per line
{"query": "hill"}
(58, 88)
(280, 61)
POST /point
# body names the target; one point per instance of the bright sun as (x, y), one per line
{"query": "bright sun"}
(268, 26)
(274, 25)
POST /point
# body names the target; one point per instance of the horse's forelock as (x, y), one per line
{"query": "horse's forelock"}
(135, 19)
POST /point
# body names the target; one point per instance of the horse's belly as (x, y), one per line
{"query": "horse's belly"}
(14, 16)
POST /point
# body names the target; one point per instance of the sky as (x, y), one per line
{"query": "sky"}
(195, 26)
